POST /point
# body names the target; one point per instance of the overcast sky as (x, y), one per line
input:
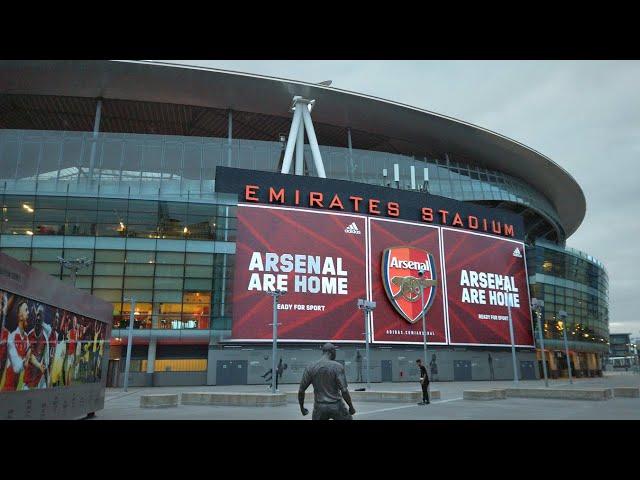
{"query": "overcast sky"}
(584, 115)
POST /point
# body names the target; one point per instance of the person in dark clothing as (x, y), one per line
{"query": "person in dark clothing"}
(491, 373)
(424, 383)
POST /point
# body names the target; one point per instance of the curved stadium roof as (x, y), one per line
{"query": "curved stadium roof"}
(407, 129)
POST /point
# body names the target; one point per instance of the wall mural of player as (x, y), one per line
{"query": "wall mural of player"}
(279, 372)
(42, 346)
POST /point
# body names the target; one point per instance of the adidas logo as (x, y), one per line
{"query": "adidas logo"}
(516, 253)
(353, 229)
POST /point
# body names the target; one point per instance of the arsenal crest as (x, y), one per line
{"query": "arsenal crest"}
(400, 267)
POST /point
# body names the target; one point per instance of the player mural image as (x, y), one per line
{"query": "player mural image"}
(43, 346)
(400, 267)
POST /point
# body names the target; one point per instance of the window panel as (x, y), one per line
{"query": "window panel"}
(108, 295)
(108, 269)
(139, 269)
(107, 282)
(140, 256)
(174, 258)
(138, 283)
(46, 254)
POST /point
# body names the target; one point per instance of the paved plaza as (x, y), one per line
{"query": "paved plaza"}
(126, 406)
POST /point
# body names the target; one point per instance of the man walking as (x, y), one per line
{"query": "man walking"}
(424, 383)
(329, 388)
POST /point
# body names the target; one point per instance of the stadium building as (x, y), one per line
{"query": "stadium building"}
(115, 162)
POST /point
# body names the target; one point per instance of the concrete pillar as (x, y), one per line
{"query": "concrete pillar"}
(155, 315)
(212, 362)
(151, 360)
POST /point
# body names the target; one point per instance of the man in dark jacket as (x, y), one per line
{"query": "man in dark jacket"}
(424, 383)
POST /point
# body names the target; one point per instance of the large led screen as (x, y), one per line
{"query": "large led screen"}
(460, 281)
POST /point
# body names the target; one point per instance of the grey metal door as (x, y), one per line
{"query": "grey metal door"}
(527, 370)
(387, 371)
(462, 370)
(239, 372)
(223, 372)
(113, 370)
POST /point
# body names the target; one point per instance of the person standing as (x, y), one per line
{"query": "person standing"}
(279, 371)
(433, 366)
(36, 372)
(492, 376)
(6, 302)
(424, 383)
(330, 389)
(19, 351)
(70, 358)
(359, 365)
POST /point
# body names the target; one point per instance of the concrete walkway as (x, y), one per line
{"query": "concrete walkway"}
(121, 405)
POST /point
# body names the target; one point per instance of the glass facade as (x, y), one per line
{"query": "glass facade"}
(175, 258)
(569, 280)
(183, 166)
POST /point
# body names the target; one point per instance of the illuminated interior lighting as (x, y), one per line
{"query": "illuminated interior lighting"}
(27, 208)
(29, 232)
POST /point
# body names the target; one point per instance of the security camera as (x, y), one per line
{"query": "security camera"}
(421, 272)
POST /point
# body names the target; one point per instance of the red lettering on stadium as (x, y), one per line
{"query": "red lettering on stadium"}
(372, 207)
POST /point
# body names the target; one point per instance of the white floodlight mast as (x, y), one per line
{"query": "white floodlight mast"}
(300, 123)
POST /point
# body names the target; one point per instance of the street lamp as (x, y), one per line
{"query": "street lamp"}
(563, 316)
(424, 283)
(513, 346)
(74, 266)
(275, 294)
(129, 342)
(538, 305)
(367, 306)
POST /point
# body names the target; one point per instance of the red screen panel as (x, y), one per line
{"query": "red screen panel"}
(479, 270)
(408, 240)
(318, 257)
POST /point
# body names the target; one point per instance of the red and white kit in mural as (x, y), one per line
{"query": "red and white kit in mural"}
(40, 346)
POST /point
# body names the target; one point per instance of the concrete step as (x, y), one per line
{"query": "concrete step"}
(597, 394)
(239, 399)
(628, 392)
(374, 396)
(491, 394)
(159, 401)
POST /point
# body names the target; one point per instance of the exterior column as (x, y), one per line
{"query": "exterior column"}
(300, 152)
(351, 167)
(230, 137)
(155, 312)
(151, 360)
(96, 130)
